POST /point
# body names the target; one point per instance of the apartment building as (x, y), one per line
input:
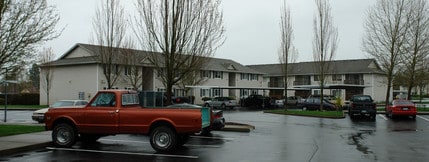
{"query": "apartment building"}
(344, 79)
(78, 74)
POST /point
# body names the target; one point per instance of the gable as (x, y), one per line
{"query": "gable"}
(78, 52)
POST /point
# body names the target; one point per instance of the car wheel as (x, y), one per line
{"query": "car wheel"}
(373, 117)
(64, 135)
(206, 105)
(163, 139)
(414, 117)
(204, 132)
(223, 106)
(304, 108)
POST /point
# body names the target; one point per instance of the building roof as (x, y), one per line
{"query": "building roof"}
(358, 66)
(214, 64)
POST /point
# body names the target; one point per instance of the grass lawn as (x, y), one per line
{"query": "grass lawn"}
(322, 114)
(7, 130)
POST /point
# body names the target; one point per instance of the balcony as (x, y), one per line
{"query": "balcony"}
(276, 84)
(304, 82)
(354, 81)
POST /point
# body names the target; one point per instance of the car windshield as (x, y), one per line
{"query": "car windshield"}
(403, 102)
(362, 98)
(63, 103)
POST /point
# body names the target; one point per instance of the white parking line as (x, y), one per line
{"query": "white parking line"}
(383, 116)
(126, 153)
(219, 138)
(421, 117)
(129, 141)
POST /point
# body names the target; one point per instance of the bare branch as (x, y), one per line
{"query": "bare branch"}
(185, 32)
(24, 24)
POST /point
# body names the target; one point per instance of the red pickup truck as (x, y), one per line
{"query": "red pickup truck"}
(113, 112)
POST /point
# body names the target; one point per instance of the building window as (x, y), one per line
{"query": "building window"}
(218, 74)
(205, 74)
(217, 92)
(244, 92)
(179, 92)
(205, 93)
(253, 76)
(316, 78)
(336, 77)
(128, 70)
(244, 76)
(254, 92)
(316, 92)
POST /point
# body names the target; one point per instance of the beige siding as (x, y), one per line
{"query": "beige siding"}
(68, 81)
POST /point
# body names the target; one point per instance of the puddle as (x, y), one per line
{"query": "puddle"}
(358, 139)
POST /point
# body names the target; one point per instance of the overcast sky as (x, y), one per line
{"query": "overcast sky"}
(253, 29)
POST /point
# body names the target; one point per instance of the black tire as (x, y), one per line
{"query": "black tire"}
(206, 105)
(163, 139)
(223, 106)
(204, 132)
(182, 139)
(64, 135)
(89, 138)
(414, 117)
(373, 117)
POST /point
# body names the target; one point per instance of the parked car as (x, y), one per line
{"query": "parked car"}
(277, 103)
(362, 105)
(313, 103)
(221, 102)
(256, 101)
(294, 100)
(401, 107)
(39, 115)
(217, 121)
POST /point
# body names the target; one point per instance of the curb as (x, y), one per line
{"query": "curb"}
(237, 127)
(24, 148)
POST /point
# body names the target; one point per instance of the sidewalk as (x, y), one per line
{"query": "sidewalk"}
(24, 142)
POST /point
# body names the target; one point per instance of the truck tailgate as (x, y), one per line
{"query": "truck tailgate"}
(205, 117)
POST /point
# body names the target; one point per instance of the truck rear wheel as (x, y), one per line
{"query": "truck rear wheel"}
(163, 139)
(64, 135)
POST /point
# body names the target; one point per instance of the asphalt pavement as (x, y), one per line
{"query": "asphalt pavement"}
(32, 141)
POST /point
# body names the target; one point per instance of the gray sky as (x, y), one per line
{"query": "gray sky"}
(253, 30)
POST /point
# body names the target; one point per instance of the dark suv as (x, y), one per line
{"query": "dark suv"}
(313, 103)
(362, 105)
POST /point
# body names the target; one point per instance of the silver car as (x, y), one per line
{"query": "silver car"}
(39, 115)
(221, 102)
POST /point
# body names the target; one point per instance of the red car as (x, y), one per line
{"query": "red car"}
(401, 108)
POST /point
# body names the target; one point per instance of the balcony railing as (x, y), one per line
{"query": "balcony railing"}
(305, 82)
(276, 84)
(354, 81)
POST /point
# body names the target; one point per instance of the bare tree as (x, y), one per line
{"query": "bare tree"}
(133, 68)
(110, 26)
(184, 32)
(47, 70)
(324, 43)
(386, 29)
(287, 51)
(417, 45)
(24, 24)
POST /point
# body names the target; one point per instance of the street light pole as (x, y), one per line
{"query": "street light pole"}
(5, 96)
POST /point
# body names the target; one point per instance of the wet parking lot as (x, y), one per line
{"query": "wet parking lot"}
(276, 138)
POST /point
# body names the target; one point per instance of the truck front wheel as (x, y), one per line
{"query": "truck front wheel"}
(64, 135)
(163, 139)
